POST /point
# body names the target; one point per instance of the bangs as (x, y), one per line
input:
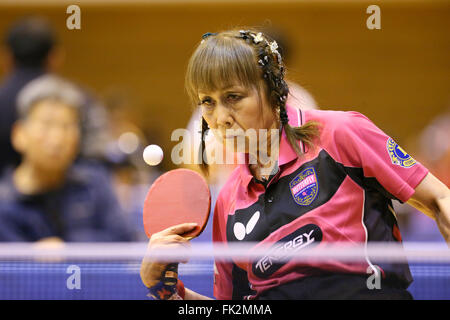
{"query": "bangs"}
(221, 61)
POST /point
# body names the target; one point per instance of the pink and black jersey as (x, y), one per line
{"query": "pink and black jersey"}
(339, 191)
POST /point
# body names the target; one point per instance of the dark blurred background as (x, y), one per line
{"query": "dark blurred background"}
(398, 76)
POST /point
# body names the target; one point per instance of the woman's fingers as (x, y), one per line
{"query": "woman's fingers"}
(167, 239)
(180, 228)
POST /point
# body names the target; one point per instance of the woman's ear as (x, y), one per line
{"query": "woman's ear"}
(18, 137)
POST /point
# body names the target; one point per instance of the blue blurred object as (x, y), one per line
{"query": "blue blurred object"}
(99, 281)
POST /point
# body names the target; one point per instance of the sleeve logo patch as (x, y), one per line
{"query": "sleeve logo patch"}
(305, 187)
(398, 155)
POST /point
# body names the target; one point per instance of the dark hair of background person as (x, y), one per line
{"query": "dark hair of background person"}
(30, 41)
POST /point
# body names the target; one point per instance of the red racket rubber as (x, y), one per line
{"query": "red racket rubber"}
(178, 196)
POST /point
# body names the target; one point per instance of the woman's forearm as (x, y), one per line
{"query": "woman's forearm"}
(432, 197)
(443, 216)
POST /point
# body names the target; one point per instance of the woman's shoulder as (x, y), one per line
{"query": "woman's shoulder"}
(344, 132)
(338, 122)
(333, 117)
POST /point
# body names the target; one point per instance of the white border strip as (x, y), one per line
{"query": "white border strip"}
(380, 252)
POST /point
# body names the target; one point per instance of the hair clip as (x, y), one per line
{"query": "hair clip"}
(244, 34)
(257, 38)
(273, 47)
(206, 35)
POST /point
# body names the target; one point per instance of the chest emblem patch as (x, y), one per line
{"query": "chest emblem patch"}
(305, 187)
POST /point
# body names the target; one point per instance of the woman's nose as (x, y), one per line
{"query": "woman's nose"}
(224, 117)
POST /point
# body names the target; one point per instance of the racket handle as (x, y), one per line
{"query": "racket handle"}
(170, 274)
(169, 288)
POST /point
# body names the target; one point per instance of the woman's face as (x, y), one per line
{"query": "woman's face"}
(236, 112)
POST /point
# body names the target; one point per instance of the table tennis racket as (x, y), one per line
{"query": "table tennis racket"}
(178, 196)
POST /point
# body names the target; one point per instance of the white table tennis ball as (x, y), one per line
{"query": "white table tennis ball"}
(153, 155)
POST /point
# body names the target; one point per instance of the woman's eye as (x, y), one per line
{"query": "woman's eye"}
(206, 102)
(233, 97)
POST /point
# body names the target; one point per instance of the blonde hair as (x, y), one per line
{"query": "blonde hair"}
(246, 57)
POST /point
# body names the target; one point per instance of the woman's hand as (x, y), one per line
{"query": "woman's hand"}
(151, 269)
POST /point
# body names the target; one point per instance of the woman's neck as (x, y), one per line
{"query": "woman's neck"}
(267, 154)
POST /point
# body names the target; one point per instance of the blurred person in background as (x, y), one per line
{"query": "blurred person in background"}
(50, 196)
(435, 146)
(30, 50)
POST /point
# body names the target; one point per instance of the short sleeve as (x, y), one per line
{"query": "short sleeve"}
(222, 269)
(361, 144)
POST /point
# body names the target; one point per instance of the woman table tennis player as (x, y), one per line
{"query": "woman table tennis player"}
(333, 180)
